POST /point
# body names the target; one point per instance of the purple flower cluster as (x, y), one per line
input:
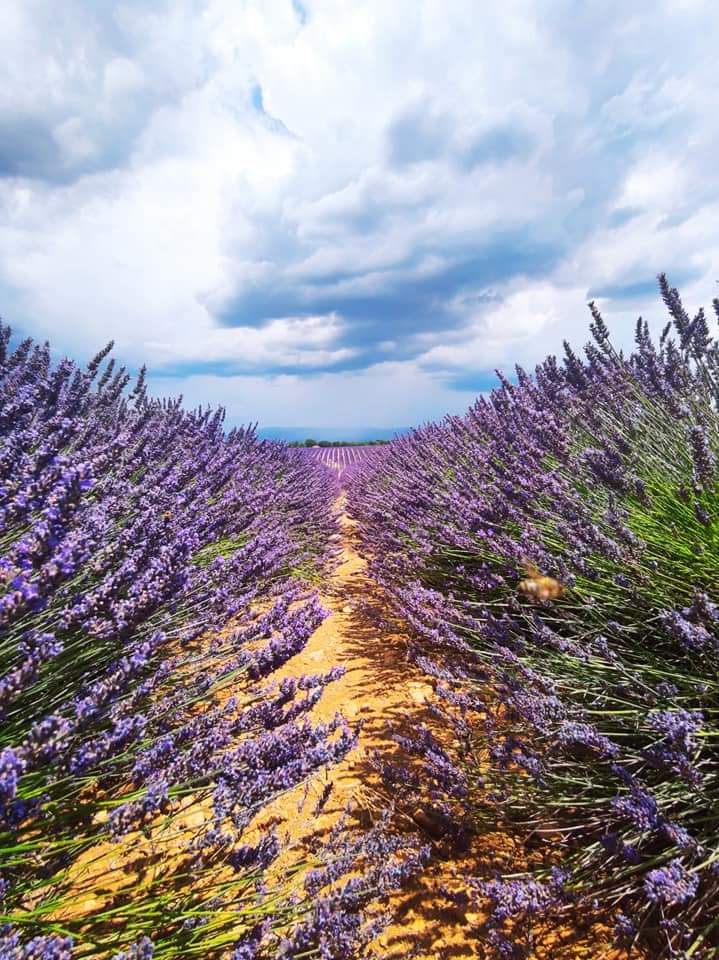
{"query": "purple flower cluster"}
(554, 554)
(154, 573)
(670, 885)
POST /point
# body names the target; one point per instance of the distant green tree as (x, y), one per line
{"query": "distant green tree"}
(335, 443)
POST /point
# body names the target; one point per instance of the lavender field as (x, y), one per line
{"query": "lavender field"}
(155, 574)
(545, 571)
(555, 551)
(343, 461)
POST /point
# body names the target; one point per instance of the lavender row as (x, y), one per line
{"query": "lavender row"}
(343, 461)
(555, 552)
(154, 574)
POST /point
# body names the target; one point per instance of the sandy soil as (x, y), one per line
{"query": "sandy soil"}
(384, 689)
(388, 693)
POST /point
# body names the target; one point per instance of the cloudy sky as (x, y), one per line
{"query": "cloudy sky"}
(350, 212)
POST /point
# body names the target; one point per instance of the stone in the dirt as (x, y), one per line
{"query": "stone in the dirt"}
(463, 840)
(419, 691)
(348, 608)
(360, 813)
(432, 823)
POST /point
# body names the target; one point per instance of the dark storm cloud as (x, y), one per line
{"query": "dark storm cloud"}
(408, 305)
(396, 178)
(28, 149)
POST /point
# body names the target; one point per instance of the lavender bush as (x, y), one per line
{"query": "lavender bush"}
(556, 553)
(154, 573)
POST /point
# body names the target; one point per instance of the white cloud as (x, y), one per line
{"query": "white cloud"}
(223, 183)
(299, 342)
(526, 325)
(383, 395)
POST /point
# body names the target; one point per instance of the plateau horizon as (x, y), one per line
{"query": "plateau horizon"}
(334, 434)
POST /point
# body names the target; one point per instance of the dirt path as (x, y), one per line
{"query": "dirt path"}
(389, 694)
(385, 690)
(381, 688)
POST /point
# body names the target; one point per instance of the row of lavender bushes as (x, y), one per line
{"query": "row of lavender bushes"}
(154, 572)
(556, 552)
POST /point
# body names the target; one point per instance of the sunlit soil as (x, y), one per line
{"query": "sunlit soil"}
(387, 692)
(384, 691)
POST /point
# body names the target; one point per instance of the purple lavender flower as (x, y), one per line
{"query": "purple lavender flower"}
(624, 926)
(586, 735)
(704, 459)
(572, 468)
(513, 898)
(691, 636)
(671, 884)
(11, 768)
(51, 947)
(677, 727)
(249, 944)
(136, 813)
(639, 807)
(262, 853)
(142, 950)
(614, 844)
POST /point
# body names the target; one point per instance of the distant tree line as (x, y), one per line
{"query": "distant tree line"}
(335, 443)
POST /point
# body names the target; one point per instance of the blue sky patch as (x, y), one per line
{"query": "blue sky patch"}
(316, 211)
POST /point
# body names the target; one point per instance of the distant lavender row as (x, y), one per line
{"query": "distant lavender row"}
(153, 574)
(343, 460)
(556, 552)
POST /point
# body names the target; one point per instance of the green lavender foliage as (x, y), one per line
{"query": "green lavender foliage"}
(588, 718)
